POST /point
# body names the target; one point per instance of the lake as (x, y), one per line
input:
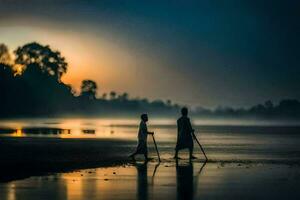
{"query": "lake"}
(247, 160)
(232, 141)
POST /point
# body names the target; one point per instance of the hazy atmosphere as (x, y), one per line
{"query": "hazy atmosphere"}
(149, 99)
(233, 53)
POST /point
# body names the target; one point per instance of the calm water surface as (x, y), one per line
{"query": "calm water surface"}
(184, 181)
(249, 161)
(247, 141)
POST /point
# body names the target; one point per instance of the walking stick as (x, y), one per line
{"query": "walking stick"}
(156, 147)
(200, 146)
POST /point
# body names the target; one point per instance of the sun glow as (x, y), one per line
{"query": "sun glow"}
(18, 69)
(95, 55)
(18, 133)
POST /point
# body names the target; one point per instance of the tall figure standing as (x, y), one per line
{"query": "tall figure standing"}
(142, 138)
(184, 134)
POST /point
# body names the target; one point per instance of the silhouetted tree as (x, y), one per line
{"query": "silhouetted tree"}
(6, 88)
(112, 95)
(38, 91)
(6, 77)
(123, 97)
(89, 89)
(43, 93)
(289, 108)
(144, 100)
(5, 57)
(50, 62)
(104, 96)
(169, 102)
(269, 105)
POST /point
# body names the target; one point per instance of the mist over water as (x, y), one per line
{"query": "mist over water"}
(223, 140)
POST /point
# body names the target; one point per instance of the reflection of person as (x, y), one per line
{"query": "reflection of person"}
(142, 138)
(142, 181)
(185, 134)
(185, 181)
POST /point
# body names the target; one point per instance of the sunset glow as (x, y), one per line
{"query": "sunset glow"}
(147, 100)
(148, 55)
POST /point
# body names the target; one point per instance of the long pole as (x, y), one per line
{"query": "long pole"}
(156, 147)
(200, 146)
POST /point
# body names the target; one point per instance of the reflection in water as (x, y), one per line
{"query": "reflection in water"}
(18, 133)
(228, 143)
(154, 172)
(172, 181)
(88, 131)
(11, 193)
(185, 179)
(7, 131)
(21, 132)
(36, 188)
(44, 130)
(142, 180)
(186, 186)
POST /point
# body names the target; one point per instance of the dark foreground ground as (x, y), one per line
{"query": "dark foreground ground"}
(61, 169)
(180, 180)
(24, 157)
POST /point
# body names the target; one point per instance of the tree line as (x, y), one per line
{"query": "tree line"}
(31, 85)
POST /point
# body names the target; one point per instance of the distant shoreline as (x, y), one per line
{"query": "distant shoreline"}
(196, 120)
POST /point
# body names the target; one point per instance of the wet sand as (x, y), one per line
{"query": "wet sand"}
(168, 180)
(26, 156)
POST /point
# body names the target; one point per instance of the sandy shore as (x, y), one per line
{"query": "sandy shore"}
(24, 157)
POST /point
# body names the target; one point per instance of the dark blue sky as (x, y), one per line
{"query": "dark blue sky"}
(200, 52)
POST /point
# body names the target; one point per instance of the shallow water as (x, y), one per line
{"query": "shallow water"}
(247, 161)
(168, 180)
(233, 142)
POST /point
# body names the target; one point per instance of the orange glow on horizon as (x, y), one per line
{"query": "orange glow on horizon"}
(102, 57)
(18, 133)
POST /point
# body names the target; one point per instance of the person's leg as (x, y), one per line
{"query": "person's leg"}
(146, 156)
(191, 153)
(138, 150)
(145, 150)
(135, 152)
(176, 153)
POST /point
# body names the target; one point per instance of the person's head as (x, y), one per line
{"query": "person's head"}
(184, 111)
(144, 117)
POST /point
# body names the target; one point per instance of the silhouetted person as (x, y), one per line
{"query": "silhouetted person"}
(142, 138)
(142, 181)
(185, 181)
(185, 134)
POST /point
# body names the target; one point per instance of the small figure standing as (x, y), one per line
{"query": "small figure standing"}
(142, 138)
(185, 134)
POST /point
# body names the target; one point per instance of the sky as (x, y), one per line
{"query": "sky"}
(200, 53)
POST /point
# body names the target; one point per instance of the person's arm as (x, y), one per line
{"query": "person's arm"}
(150, 133)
